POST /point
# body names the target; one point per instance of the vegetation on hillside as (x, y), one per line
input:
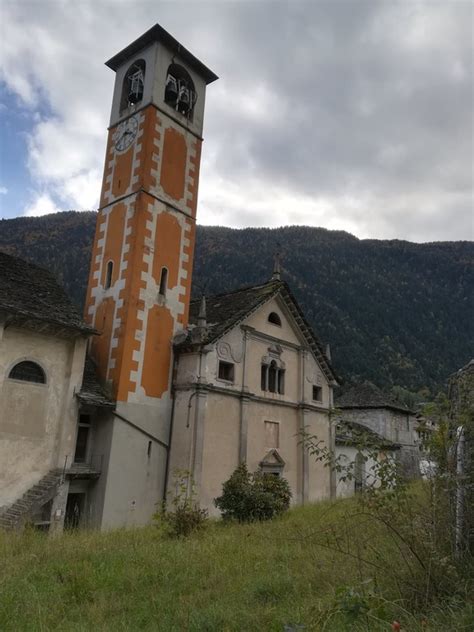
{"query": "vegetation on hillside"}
(396, 313)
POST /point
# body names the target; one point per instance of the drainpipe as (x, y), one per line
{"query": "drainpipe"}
(170, 436)
(243, 404)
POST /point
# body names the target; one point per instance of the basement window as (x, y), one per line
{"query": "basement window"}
(317, 394)
(226, 371)
(27, 371)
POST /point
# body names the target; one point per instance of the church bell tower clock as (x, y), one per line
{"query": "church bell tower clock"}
(140, 277)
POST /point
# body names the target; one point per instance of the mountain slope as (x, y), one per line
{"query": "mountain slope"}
(395, 312)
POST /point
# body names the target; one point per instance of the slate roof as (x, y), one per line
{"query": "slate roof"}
(225, 311)
(92, 392)
(367, 395)
(352, 433)
(30, 292)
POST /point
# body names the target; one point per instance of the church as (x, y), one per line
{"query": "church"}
(97, 415)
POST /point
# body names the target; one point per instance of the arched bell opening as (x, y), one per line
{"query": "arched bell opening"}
(180, 93)
(133, 85)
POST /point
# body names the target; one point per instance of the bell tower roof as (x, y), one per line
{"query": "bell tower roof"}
(158, 34)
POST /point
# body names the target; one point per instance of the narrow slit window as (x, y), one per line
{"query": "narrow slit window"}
(317, 394)
(108, 274)
(163, 282)
(264, 377)
(148, 452)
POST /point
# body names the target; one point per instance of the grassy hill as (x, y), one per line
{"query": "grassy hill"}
(394, 312)
(257, 577)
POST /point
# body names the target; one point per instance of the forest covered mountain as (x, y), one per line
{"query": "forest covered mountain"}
(396, 313)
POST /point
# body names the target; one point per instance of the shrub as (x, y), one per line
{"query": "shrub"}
(250, 497)
(186, 516)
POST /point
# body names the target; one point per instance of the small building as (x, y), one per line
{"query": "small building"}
(359, 453)
(368, 406)
(47, 406)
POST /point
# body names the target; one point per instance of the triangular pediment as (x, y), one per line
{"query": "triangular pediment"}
(272, 458)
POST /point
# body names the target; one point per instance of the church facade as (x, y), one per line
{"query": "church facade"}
(169, 384)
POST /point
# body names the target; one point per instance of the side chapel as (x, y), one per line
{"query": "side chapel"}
(97, 414)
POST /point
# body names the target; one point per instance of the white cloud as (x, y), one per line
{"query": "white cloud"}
(3, 190)
(42, 205)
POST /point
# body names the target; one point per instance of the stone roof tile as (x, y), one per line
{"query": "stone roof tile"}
(225, 311)
(367, 395)
(30, 292)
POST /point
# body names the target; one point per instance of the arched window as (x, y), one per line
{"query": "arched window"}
(133, 83)
(27, 371)
(274, 319)
(163, 282)
(108, 274)
(179, 90)
(272, 376)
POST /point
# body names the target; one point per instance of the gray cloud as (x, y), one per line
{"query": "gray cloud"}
(354, 115)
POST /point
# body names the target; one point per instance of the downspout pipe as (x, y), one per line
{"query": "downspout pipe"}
(170, 435)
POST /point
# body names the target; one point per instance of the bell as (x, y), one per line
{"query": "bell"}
(171, 90)
(184, 101)
(136, 87)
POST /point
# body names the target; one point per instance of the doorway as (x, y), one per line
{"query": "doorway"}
(74, 510)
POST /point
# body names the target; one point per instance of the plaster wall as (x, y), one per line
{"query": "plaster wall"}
(302, 371)
(38, 422)
(134, 478)
(347, 455)
(393, 425)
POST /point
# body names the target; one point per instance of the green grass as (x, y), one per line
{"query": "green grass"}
(229, 577)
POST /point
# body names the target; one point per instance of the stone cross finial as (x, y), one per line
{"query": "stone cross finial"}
(202, 318)
(276, 276)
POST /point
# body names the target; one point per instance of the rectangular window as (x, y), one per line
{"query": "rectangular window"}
(82, 439)
(272, 434)
(317, 394)
(226, 371)
(264, 377)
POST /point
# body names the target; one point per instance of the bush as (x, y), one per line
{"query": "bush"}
(186, 516)
(250, 497)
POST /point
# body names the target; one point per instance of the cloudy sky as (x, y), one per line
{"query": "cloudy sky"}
(344, 114)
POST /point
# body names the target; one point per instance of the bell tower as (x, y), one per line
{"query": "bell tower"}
(140, 276)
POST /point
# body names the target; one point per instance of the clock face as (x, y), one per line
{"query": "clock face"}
(126, 133)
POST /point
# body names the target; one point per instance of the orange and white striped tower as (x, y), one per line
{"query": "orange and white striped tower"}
(140, 277)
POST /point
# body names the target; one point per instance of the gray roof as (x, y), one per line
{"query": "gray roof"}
(92, 392)
(30, 293)
(158, 34)
(225, 311)
(367, 395)
(354, 434)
